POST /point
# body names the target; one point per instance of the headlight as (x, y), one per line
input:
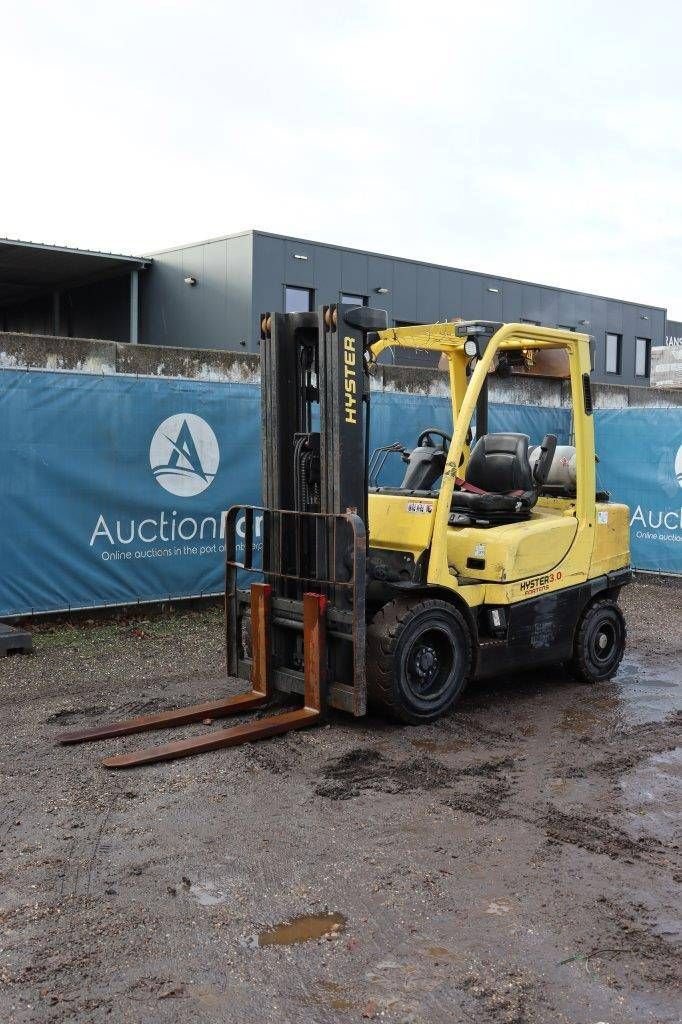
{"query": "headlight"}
(471, 347)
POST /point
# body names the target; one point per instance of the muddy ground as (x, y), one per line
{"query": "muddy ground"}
(517, 862)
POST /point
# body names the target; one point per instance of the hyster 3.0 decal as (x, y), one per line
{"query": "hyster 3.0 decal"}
(539, 584)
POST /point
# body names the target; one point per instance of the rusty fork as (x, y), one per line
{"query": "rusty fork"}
(314, 641)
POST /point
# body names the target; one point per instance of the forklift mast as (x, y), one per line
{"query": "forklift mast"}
(313, 523)
(315, 408)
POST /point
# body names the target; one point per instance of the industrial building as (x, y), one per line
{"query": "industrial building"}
(210, 294)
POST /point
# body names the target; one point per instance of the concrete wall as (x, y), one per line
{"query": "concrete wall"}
(89, 355)
(92, 356)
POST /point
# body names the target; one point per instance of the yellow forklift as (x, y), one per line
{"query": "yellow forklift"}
(494, 554)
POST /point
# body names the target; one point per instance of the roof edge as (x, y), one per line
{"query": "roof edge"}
(208, 241)
(72, 250)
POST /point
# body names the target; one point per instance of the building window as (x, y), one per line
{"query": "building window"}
(353, 300)
(642, 357)
(613, 347)
(298, 300)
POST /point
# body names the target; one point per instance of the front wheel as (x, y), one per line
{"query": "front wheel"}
(418, 659)
(599, 642)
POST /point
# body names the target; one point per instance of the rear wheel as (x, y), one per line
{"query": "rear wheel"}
(418, 659)
(599, 642)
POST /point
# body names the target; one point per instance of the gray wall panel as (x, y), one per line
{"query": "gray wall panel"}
(548, 306)
(269, 278)
(405, 292)
(354, 267)
(472, 296)
(241, 326)
(380, 275)
(614, 317)
(428, 295)
(566, 309)
(512, 302)
(531, 302)
(327, 274)
(450, 286)
(492, 298)
(299, 271)
(596, 312)
(215, 283)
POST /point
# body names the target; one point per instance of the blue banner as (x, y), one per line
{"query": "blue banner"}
(640, 464)
(113, 487)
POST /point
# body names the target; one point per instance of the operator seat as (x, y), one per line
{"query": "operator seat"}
(499, 482)
(425, 465)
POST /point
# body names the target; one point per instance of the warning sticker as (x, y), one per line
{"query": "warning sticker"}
(419, 506)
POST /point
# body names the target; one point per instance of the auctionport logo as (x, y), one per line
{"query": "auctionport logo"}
(184, 455)
(647, 522)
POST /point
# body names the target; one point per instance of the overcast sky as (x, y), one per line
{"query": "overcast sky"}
(539, 140)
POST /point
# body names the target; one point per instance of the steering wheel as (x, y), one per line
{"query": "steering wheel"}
(426, 434)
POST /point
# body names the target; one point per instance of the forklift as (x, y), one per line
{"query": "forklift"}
(492, 555)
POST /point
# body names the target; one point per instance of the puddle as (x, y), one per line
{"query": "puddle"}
(305, 928)
(649, 690)
(580, 720)
(498, 908)
(651, 793)
(207, 894)
(336, 998)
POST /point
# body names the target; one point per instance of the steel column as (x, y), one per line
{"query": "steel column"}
(134, 306)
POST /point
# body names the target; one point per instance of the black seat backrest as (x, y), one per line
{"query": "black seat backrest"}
(499, 464)
(425, 466)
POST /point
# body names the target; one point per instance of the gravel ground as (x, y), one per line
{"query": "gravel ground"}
(516, 862)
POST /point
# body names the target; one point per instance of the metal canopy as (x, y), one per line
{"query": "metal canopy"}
(32, 268)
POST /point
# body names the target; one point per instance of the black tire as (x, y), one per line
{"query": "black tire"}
(419, 657)
(599, 642)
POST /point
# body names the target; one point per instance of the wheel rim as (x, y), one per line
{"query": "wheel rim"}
(605, 641)
(429, 663)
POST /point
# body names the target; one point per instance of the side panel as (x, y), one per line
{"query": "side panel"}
(612, 539)
(400, 522)
(540, 631)
(514, 551)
